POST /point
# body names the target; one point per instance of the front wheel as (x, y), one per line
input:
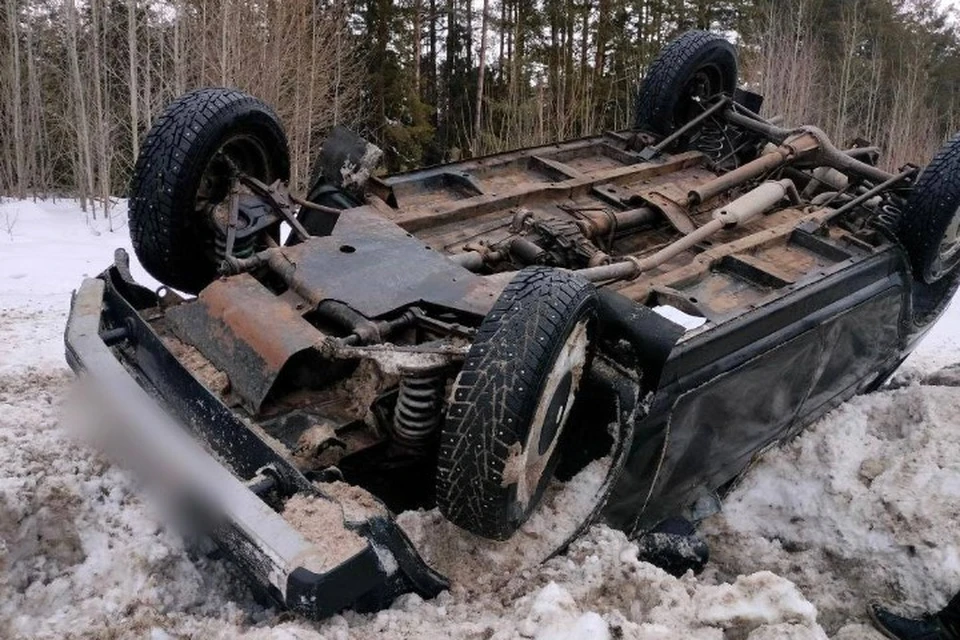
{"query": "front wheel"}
(510, 402)
(183, 178)
(685, 75)
(930, 229)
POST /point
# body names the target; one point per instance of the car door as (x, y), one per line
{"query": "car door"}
(733, 390)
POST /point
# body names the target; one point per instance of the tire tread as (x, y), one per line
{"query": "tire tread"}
(932, 203)
(659, 90)
(494, 396)
(171, 160)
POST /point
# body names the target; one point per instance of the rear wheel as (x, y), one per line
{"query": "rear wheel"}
(184, 174)
(511, 401)
(693, 68)
(930, 229)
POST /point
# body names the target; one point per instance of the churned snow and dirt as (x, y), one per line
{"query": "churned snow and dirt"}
(865, 504)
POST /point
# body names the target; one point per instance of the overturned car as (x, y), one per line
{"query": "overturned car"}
(671, 300)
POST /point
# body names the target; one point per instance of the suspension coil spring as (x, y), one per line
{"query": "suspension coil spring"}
(242, 247)
(419, 402)
(711, 140)
(887, 218)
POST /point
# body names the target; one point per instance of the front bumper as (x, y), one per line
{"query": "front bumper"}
(165, 414)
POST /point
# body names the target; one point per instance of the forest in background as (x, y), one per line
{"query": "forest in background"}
(437, 80)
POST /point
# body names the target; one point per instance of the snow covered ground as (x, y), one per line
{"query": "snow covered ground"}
(866, 504)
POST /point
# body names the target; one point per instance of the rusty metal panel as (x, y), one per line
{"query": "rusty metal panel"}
(246, 331)
(673, 211)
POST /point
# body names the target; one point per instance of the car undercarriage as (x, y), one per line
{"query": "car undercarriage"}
(672, 299)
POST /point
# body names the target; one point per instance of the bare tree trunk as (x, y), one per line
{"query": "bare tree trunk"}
(540, 137)
(788, 65)
(224, 20)
(337, 84)
(584, 87)
(203, 41)
(103, 158)
(469, 4)
(179, 63)
(910, 126)
(600, 60)
(84, 161)
(36, 135)
(871, 124)
(312, 90)
(567, 115)
(447, 105)
(703, 14)
(504, 29)
(510, 28)
(148, 76)
(16, 101)
(482, 68)
(416, 46)
(433, 92)
(851, 42)
(132, 82)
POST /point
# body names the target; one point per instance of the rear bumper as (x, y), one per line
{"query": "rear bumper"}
(165, 414)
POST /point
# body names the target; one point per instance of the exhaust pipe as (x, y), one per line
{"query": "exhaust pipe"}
(745, 208)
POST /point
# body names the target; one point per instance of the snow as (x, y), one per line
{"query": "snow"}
(475, 564)
(940, 348)
(46, 249)
(685, 320)
(554, 614)
(864, 505)
(880, 520)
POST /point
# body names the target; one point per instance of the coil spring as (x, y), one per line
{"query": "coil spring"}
(711, 140)
(887, 218)
(242, 247)
(417, 414)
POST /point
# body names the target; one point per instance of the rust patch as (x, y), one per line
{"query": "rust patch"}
(673, 212)
(253, 315)
(245, 331)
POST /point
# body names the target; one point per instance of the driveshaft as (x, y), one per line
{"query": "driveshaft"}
(746, 207)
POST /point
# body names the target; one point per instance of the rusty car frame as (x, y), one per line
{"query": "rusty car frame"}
(674, 299)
